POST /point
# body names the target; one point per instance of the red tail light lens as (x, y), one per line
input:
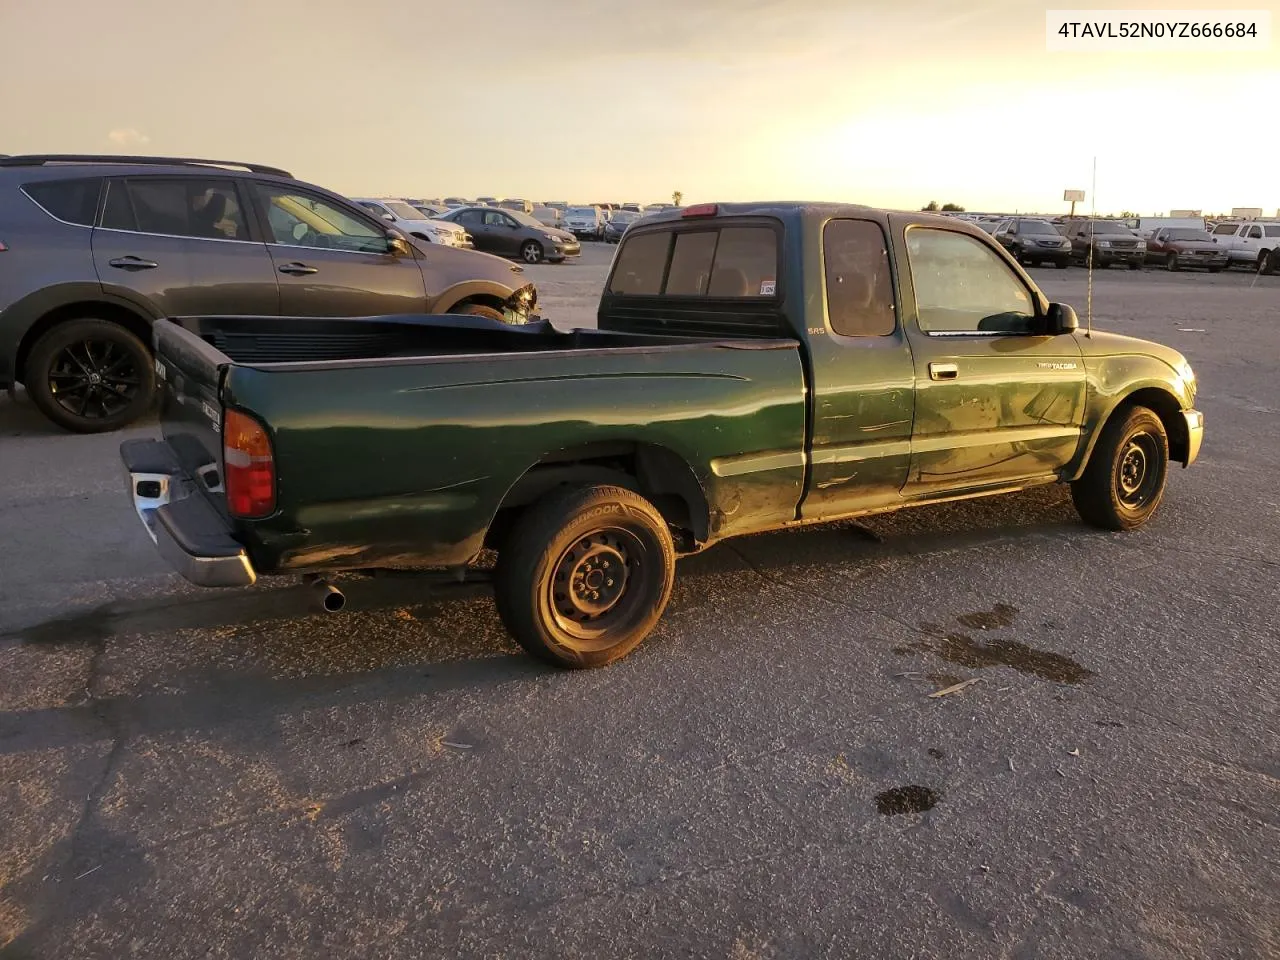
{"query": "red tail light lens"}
(249, 469)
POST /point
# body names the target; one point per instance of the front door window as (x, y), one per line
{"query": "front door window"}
(962, 287)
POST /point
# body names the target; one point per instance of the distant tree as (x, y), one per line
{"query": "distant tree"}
(931, 207)
(1125, 214)
(676, 197)
(952, 208)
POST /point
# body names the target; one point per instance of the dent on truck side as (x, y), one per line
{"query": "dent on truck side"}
(1114, 379)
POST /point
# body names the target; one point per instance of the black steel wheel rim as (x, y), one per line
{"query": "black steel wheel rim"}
(1138, 472)
(94, 379)
(599, 587)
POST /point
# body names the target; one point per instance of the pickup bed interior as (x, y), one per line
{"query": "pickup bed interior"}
(263, 340)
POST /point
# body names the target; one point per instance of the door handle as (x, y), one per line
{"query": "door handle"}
(943, 371)
(298, 269)
(132, 263)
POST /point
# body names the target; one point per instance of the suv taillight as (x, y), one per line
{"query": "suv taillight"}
(249, 469)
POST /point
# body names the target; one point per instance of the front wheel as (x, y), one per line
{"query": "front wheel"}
(584, 575)
(478, 310)
(90, 376)
(1124, 481)
(1171, 262)
(531, 252)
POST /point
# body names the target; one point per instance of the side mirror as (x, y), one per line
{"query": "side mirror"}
(397, 244)
(389, 218)
(1061, 319)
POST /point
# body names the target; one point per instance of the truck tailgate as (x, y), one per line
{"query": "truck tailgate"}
(190, 373)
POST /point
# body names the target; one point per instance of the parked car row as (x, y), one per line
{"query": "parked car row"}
(95, 249)
(1175, 243)
(1103, 242)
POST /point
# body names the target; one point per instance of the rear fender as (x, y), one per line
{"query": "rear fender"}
(25, 321)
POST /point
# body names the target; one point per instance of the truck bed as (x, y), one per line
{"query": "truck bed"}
(398, 439)
(268, 340)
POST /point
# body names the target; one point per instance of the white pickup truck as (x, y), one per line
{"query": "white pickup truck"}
(1255, 242)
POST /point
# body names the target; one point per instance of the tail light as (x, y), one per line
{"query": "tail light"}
(2, 247)
(249, 468)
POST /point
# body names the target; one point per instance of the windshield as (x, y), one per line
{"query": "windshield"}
(1188, 234)
(1037, 226)
(581, 212)
(403, 210)
(520, 217)
(1107, 227)
(624, 216)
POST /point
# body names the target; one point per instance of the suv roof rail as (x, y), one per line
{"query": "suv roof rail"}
(40, 159)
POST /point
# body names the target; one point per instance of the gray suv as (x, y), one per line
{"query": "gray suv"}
(94, 249)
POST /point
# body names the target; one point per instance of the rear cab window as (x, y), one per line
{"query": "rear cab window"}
(71, 201)
(715, 260)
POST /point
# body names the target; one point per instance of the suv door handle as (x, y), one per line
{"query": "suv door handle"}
(298, 269)
(943, 371)
(132, 263)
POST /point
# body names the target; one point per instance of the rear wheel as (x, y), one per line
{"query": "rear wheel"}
(1063, 264)
(531, 251)
(1124, 481)
(90, 376)
(584, 575)
(1269, 263)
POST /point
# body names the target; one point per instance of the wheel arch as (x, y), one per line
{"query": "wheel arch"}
(658, 473)
(1160, 401)
(484, 292)
(99, 309)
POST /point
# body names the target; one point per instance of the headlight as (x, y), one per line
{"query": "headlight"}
(1142, 244)
(1104, 243)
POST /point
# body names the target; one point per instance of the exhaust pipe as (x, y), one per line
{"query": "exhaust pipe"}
(331, 598)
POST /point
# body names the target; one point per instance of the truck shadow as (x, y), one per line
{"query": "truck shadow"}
(264, 654)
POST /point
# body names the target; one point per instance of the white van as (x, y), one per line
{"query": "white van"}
(1146, 226)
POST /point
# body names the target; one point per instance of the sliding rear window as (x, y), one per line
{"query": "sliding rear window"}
(702, 261)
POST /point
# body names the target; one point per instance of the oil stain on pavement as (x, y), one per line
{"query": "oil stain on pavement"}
(909, 799)
(963, 650)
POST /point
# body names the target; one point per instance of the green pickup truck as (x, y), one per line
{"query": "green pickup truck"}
(756, 366)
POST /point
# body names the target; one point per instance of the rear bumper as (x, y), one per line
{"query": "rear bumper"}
(191, 535)
(1195, 434)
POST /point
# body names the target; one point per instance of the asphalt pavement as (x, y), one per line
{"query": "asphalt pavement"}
(232, 774)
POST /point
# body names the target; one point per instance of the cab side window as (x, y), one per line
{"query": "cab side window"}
(859, 283)
(963, 287)
(301, 220)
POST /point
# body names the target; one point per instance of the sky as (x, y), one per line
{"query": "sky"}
(892, 103)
